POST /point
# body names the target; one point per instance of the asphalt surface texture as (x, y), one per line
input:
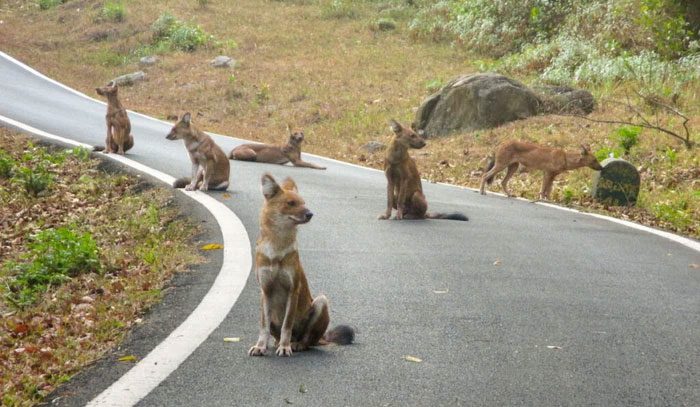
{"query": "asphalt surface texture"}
(522, 305)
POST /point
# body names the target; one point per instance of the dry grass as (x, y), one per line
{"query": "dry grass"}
(332, 73)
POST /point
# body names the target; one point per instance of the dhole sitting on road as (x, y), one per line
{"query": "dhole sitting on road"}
(288, 313)
(119, 138)
(265, 153)
(404, 191)
(210, 166)
(552, 161)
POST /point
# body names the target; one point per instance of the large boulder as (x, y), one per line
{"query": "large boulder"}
(565, 100)
(472, 102)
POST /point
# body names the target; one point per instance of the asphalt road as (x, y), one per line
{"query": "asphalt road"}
(522, 305)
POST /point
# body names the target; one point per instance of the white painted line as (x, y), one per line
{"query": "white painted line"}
(211, 311)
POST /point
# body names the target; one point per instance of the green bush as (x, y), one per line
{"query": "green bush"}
(339, 9)
(113, 11)
(47, 4)
(54, 256)
(176, 34)
(628, 137)
(7, 164)
(34, 180)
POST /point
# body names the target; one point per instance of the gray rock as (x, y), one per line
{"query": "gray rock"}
(222, 61)
(373, 146)
(472, 102)
(617, 184)
(129, 79)
(565, 100)
(148, 60)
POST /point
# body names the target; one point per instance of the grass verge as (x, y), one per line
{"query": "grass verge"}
(82, 258)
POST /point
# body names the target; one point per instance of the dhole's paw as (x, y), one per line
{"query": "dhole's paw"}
(299, 347)
(257, 351)
(189, 188)
(383, 216)
(204, 188)
(284, 351)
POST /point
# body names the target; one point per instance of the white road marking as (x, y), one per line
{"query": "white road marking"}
(211, 311)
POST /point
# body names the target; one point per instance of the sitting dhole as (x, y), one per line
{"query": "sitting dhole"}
(552, 161)
(265, 153)
(404, 191)
(119, 138)
(210, 166)
(288, 312)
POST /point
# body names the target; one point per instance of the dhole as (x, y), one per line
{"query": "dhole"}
(119, 138)
(404, 190)
(210, 166)
(265, 153)
(288, 312)
(552, 161)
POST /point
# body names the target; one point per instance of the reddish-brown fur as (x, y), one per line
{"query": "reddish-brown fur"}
(119, 138)
(404, 190)
(288, 312)
(265, 153)
(552, 161)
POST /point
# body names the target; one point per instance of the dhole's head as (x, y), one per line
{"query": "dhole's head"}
(589, 159)
(407, 136)
(108, 90)
(181, 129)
(296, 137)
(283, 204)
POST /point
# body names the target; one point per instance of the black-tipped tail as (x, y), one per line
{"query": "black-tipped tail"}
(491, 162)
(449, 216)
(181, 182)
(341, 334)
(98, 148)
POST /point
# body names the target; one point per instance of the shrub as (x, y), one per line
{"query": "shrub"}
(384, 24)
(339, 9)
(34, 180)
(47, 4)
(176, 34)
(113, 11)
(7, 164)
(54, 256)
(628, 137)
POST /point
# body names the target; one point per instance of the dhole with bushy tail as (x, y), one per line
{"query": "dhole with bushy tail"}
(119, 138)
(552, 161)
(404, 190)
(210, 166)
(288, 312)
(265, 153)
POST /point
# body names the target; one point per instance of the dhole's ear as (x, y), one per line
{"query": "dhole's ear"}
(289, 130)
(186, 118)
(395, 126)
(289, 185)
(111, 84)
(269, 186)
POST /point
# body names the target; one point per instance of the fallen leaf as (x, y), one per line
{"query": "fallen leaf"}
(288, 401)
(302, 388)
(553, 347)
(412, 359)
(212, 246)
(445, 291)
(227, 196)
(694, 266)
(497, 263)
(127, 358)
(232, 339)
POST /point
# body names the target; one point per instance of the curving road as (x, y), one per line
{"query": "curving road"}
(522, 305)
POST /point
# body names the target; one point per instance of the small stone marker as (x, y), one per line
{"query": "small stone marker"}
(149, 60)
(617, 184)
(222, 61)
(130, 78)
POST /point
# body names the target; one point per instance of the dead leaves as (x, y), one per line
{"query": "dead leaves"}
(412, 359)
(128, 358)
(232, 339)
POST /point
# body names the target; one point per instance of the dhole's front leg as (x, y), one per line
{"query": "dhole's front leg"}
(300, 163)
(389, 199)
(285, 345)
(108, 141)
(207, 171)
(401, 199)
(260, 346)
(194, 177)
(547, 185)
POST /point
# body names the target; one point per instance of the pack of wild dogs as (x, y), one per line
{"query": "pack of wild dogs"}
(289, 314)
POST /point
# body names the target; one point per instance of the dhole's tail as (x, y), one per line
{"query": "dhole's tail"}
(341, 334)
(181, 182)
(489, 164)
(449, 216)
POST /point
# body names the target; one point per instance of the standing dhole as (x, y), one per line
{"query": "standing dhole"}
(552, 161)
(265, 153)
(210, 166)
(288, 312)
(404, 191)
(119, 138)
